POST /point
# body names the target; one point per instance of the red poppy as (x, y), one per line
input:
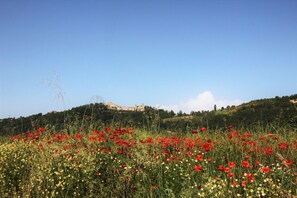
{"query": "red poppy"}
(149, 140)
(244, 183)
(206, 146)
(198, 168)
(266, 169)
(262, 138)
(248, 175)
(202, 129)
(247, 134)
(78, 136)
(288, 162)
(231, 174)
(283, 145)
(246, 164)
(96, 132)
(30, 134)
(93, 138)
(199, 157)
(232, 164)
(142, 141)
(221, 168)
(268, 150)
(195, 131)
(170, 159)
(41, 129)
(269, 134)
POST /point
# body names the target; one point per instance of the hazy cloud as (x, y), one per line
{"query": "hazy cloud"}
(204, 101)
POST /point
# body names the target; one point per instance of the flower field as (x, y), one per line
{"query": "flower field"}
(134, 163)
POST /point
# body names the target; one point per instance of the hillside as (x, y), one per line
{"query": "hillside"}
(280, 111)
(87, 116)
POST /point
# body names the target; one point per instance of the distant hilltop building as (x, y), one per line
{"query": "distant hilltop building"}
(294, 101)
(113, 106)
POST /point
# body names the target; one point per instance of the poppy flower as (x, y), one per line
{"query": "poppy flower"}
(194, 131)
(247, 134)
(207, 147)
(288, 162)
(234, 183)
(199, 157)
(198, 168)
(231, 174)
(41, 129)
(262, 138)
(78, 136)
(221, 168)
(96, 132)
(244, 183)
(283, 145)
(149, 140)
(202, 129)
(266, 169)
(93, 138)
(246, 164)
(268, 151)
(232, 164)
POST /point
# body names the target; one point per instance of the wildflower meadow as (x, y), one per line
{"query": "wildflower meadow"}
(127, 162)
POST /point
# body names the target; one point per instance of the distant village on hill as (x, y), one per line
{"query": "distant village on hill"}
(113, 106)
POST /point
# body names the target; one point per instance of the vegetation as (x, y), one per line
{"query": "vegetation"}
(128, 163)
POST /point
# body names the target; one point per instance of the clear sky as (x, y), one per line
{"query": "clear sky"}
(185, 55)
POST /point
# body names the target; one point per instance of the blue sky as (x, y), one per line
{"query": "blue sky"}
(183, 55)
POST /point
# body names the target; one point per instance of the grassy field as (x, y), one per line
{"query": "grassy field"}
(133, 163)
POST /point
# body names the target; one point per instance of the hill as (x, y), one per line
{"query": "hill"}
(88, 116)
(279, 111)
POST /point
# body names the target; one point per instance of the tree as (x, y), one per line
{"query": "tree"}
(180, 113)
